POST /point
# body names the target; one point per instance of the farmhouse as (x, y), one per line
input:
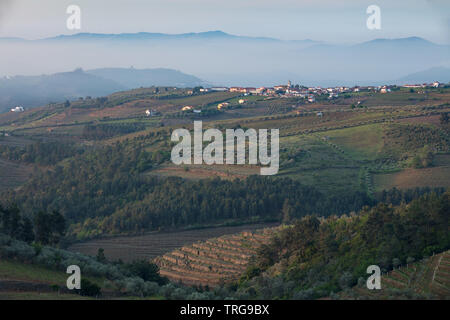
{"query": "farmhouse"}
(151, 113)
(222, 105)
(333, 95)
(18, 109)
(219, 89)
(281, 87)
(412, 86)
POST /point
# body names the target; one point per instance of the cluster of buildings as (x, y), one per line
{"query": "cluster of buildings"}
(310, 93)
(288, 90)
(435, 84)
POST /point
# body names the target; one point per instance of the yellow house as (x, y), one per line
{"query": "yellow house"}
(222, 105)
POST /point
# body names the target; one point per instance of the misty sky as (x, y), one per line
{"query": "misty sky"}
(327, 20)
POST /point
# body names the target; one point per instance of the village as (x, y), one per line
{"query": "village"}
(310, 94)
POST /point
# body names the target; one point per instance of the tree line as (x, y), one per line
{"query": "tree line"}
(109, 130)
(42, 153)
(44, 228)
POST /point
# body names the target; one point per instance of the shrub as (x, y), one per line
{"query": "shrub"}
(89, 288)
(19, 250)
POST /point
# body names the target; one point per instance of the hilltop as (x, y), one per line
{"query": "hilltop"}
(34, 91)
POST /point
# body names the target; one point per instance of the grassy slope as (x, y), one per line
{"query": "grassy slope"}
(430, 276)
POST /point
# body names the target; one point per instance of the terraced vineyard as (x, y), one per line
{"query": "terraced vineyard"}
(428, 276)
(13, 174)
(214, 261)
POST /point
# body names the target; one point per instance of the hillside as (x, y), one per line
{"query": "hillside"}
(319, 257)
(24, 281)
(440, 74)
(350, 157)
(362, 167)
(215, 261)
(426, 278)
(34, 91)
(136, 78)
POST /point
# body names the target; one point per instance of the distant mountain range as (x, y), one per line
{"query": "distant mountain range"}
(226, 59)
(215, 56)
(146, 36)
(33, 91)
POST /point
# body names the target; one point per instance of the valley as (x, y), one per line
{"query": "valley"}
(104, 163)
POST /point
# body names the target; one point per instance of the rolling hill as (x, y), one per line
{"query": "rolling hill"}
(440, 74)
(34, 91)
(227, 59)
(135, 78)
(429, 277)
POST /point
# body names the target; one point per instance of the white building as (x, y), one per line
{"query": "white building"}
(18, 109)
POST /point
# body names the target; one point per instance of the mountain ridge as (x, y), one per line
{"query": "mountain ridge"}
(205, 34)
(32, 91)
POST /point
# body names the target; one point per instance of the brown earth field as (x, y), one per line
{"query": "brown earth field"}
(412, 178)
(428, 276)
(429, 119)
(214, 261)
(196, 172)
(12, 174)
(151, 245)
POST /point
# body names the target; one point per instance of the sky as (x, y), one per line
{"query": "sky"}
(342, 21)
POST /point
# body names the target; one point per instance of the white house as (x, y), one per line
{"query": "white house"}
(18, 109)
